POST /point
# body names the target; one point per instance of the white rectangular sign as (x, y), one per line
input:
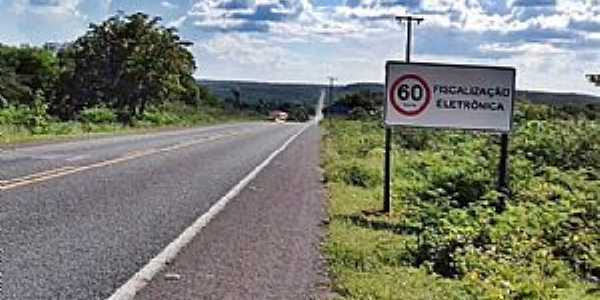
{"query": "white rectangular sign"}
(449, 96)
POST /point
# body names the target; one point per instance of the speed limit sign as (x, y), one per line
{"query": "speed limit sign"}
(410, 95)
(449, 96)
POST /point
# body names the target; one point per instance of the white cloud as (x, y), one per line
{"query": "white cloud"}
(530, 49)
(59, 7)
(294, 39)
(554, 71)
(177, 22)
(245, 50)
(535, 38)
(168, 5)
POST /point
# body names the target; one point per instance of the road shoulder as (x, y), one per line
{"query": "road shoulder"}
(265, 244)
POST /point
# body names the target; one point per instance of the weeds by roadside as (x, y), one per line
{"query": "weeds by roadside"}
(445, 239)
(22, 124)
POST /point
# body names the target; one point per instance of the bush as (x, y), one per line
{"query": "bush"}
(298, 114)
(98, 115)
(544, 244)
(359, 113)
(564, 144)
(13, 115)
(357, 173)
(160, 118)
(34, 118)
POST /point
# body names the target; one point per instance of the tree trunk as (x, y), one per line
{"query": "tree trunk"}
(143, 107)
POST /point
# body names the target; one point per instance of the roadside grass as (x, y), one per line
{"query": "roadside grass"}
(366, 255)
(153, 121)
(445, 239)
(11, 135)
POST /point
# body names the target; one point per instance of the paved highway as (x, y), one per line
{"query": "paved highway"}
(78, 219)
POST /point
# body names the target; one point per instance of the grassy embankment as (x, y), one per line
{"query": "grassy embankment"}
(25, 125)
(445, 239)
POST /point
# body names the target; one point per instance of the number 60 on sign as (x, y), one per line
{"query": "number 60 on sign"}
(449, 96)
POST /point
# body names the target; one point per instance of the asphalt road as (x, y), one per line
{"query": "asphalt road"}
(78, 219)
(265, 244)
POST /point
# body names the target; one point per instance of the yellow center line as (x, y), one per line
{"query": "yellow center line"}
(31, 176)
(67, 170)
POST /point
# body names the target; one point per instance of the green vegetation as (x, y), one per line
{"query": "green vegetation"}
(298, 100)
(128, 73)
(127, 64)
(364, 104)
(23, 124)
(255, 93)
(448, 238)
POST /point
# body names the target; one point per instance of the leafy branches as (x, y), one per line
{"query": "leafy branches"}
(126, 63)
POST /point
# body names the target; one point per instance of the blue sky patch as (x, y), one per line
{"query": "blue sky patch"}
(552, 43)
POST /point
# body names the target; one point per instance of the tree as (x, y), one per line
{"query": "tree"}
(297, 113)
(26, 70)
(11, 90)
(370, 102)
(126, 63)
(237, 96)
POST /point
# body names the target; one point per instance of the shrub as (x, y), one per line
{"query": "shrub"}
(298, 114)
(358, 174)
(13, 115)
(160, 118)
(545, 243)
(98, 115)
(564, 144)
(359, 113)
(34, 118)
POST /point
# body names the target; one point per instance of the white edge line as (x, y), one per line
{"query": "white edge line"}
(156, 264)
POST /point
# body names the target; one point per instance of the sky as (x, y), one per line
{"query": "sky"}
(551, 43)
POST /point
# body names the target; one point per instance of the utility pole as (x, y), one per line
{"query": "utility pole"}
(387, 202)
(330, 91)
(330, 94)
(593, 78)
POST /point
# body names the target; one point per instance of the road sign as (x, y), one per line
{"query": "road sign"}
(449, 96)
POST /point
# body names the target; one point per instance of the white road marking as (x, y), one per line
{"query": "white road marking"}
(156, 264)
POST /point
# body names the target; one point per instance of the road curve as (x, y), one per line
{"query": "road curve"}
(78, 219)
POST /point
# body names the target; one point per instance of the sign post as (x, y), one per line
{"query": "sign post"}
(466, 97)
(503, 187)
(387, 168)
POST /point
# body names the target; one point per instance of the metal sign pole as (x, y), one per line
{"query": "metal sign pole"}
(387, 201)
(503, 187)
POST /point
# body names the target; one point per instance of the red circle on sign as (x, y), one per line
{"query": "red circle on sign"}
(401, 110)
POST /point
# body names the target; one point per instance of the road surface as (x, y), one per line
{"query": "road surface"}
(78, 219)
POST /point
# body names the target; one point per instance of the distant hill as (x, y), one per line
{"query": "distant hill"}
(252, 92)
(557, 98)
(277, 93)
(533, 96)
